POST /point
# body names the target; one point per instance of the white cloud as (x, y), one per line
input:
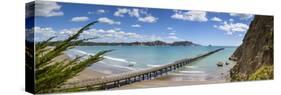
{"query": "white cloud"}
(153, 38)
(47, 9)
(121, 12)
(173, 37)
(231, 28)
(68, 32)
(134, 12)
(114, 34)
(216, 19)
(242, 16)
(199, 16)
(80, 19)
(109, 35)
(170, 28)
(108, 21)
(169, 39)
(41, 34)
(136, 25)
(231, 20)
(215, 26)
(172, 33)
(117, 29)
(140, 14)
(100, 11)
(148, 19)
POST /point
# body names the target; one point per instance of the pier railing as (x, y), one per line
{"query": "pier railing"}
(118, 80)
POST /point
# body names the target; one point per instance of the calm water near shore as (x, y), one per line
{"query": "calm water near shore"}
(127, 58)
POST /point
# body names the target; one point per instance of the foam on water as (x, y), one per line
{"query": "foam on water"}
(80, 52)
(141, 57)
(192, 72)
(191, 67)
(125, 67)
(75, 52)
(152, 65)
(120, 60)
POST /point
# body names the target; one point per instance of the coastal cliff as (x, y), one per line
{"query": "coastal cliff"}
(254, 56)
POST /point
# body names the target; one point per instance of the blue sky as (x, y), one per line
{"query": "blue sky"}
(129, 24)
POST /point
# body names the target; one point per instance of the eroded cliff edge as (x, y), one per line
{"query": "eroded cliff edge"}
(254, 56)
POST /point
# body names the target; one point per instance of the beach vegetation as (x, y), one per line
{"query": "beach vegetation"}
(51, 74)
(263, 73)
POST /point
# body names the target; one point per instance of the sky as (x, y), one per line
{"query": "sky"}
(130, 24)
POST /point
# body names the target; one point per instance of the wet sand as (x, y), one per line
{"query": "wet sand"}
(88, 73)
(165, 82)
(96, 70)
(177, 79)
(174, 78)
(171, 79)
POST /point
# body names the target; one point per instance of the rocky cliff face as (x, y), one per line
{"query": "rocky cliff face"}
(255, 55)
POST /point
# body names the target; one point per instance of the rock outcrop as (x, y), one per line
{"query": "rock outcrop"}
(254, 56)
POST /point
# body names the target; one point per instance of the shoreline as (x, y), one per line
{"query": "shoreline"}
(87, 73)
(162, 82)
(172, 79)
(98, 70)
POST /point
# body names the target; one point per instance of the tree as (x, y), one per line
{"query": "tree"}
(50, 74)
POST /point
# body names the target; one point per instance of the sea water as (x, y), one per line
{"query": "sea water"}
(142, 57)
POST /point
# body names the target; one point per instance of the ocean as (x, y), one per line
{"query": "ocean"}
(142, 57)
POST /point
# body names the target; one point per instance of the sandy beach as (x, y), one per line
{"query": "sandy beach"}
(94, 71)
(88, 73)
(166, 82)
(175, 78)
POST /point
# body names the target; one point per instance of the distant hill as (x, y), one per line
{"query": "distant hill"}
(150, 43)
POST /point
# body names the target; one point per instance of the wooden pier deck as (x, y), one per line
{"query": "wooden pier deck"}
(118, 80)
